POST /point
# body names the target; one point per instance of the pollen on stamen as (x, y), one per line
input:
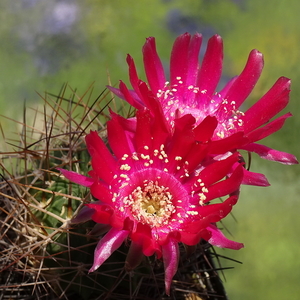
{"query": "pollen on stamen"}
(204, 190)
(125, 167)
(152, 203)
(202, 199)
(124, 184)
(135, 157)
(124, 157)
(143, 156)
(192, 213)
(221, 134)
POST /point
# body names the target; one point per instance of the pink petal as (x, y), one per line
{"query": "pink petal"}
(194, 157)
(143, 236)
(179, 58)
(134, 79)
(272, 154)
(153, 66)
(103, 162)
(83, 215)
(245, 82)
(77, 178)
(143, 138)
(193, 60)
(211, 68)
(117, 137)
(210, 214)
(183, 137)
(125, 94)
(170, 252)
(205, 130)
(101, 212)
(226, 187)
(232, 142)
(100, 191)
(217, 170)
(150, 100)
(218, 239)
(107, 245)
(193, 238)
(268, 129)
(256, 179)
(268, 106)
(134, 256)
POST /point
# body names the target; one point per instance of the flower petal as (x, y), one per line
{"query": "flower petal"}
(107, 245)
(226, 187)
(218, 239)
(77, 178)
(268, 106)
(193, 60)
(170, 252)
(101, 212)
(217, 170)
(153, 66)
(125, 94)
(179, 59)
(83, 215)
(211, 68)
(257, 179)
(103, 162)
(272, 154)
(101, 192)
(230, 143)
(205, 130)
(245, 82)
(117, 137)
(134, 256)
(268, 129)
(134, 80)
(143, 236)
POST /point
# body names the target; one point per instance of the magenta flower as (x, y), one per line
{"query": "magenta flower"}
(192, 90)
(156, 186)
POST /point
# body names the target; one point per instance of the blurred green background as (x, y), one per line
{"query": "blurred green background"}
(47, 43)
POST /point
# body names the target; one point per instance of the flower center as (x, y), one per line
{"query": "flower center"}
(152, 203)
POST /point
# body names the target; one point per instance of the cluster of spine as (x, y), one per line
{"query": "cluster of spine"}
(44, 253)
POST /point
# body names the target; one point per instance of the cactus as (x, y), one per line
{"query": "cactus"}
(45, 254)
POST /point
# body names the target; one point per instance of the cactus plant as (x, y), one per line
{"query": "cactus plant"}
(45, 253)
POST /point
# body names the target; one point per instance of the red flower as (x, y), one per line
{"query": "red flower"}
(192, 90)
(156, 185)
